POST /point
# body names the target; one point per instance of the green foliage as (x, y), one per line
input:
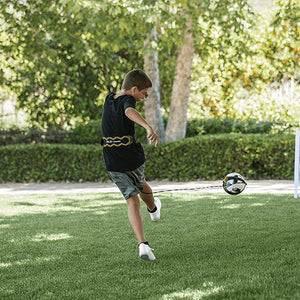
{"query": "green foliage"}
(260, 81)
(66, 56)
(33, 136)
(89, 133)
(44, 162)
(208, 157)
(211, 157)
(82, 134)
(229, 125)
(62, 57)
(140, 134)
(282, 43)
(209, 126)
(252, 126)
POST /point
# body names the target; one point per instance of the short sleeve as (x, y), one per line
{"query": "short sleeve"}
(129, 101)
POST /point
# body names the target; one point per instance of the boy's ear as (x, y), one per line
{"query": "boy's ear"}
(134, 89)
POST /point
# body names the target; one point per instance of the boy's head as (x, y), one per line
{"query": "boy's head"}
(136, 84)
(136, 78)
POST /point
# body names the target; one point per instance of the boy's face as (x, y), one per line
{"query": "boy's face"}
(139, 95)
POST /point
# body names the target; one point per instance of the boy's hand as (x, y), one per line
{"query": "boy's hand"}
(152, 136)
(135, 116)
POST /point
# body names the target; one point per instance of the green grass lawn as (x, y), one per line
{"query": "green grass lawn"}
(208, 246)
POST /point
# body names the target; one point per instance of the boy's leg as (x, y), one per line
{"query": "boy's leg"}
(135, 217)
(147, 196)
(153, 204)
(136, 222)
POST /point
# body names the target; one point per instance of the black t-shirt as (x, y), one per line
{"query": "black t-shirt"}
(115, 123)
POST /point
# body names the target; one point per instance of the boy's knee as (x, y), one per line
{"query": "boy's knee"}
(133, 201)
(146, 188)
(146, 192)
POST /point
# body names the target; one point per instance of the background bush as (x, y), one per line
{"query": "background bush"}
(255, 156)
(228, 125)
(84, 134)
(45, 162)
(90, 133)
(15, 136)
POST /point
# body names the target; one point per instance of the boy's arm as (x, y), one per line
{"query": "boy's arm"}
(135, 116)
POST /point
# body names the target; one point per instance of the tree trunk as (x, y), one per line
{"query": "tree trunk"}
(152, 103)
(176, 127)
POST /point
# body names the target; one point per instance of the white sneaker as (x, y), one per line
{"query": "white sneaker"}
(145, 252)
(156, 215)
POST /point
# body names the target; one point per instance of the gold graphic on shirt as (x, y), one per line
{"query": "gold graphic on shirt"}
(117, 141)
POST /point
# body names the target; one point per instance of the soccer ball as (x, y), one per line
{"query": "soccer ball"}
(234, 183)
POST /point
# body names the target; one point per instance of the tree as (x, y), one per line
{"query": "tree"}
(64, 56)
(152, 104)
(234, 80)
(229, 17)
(176, 127)
(68, 56)
(282, 43)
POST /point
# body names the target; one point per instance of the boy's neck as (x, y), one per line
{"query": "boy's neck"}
(123, 92)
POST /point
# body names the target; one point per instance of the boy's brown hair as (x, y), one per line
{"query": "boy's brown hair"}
(136, 78)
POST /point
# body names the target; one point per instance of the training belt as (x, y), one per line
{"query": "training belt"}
(117, 141)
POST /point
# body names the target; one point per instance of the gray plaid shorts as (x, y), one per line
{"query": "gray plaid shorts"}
(129, 183)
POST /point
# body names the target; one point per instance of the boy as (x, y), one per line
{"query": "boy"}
(124, 158)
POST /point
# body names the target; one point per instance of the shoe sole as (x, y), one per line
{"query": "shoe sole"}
(145, 257)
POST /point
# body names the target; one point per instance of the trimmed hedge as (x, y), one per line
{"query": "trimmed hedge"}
(90, 133)
(228, 125)
(47, 162)
(33, 136)
(209, 157)
(255, 156)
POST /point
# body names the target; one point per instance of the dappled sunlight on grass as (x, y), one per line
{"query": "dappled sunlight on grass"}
(37, 260)
(257, 204)
(231, 206)
(6, 291)
(19, 210)
(207, 290)
(226, 200)
(35, 204)
(192, 197)
(50, 237)
(244, 205)
(103, 212)
(4, 226)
